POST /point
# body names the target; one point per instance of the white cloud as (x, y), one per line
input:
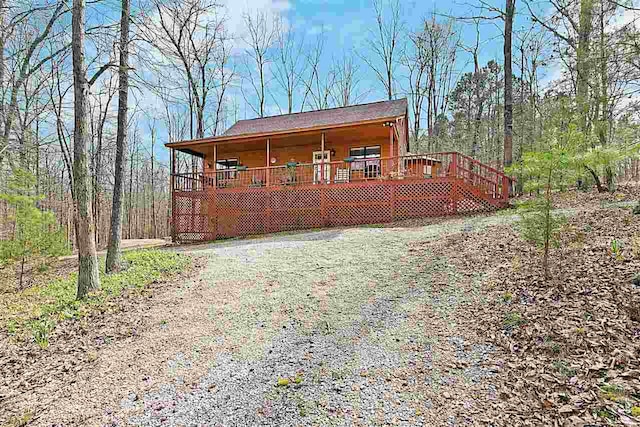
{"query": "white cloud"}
(235, 9)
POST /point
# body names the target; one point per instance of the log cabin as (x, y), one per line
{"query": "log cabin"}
(340, 166)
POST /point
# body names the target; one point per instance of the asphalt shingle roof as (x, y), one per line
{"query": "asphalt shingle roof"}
(312, 119)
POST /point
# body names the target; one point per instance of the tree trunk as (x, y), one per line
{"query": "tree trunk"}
(114, 255)
(88, 278)
(508, 84)
(3, 41)
(130, 210)
(154, 227)
(596, 178)
(583, 63)
(479, 105)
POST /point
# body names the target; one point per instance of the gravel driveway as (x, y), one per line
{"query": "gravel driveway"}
(335, 327)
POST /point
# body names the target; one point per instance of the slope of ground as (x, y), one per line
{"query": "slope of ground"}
(446, 323)
(571, 344)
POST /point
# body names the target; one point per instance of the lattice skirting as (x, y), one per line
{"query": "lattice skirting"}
(208, 215)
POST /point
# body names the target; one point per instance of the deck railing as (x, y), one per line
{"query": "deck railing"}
(424, 166)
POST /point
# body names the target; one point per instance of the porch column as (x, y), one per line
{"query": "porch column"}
(173, 195)
(392, 155)
(268, 171)
(215, 167)
(322, 158)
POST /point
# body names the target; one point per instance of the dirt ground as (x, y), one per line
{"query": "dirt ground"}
(359, 326)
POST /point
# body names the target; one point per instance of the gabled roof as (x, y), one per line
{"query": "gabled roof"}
(308, 120)
(312, 119)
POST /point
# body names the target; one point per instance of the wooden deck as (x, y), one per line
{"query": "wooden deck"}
(264, 200)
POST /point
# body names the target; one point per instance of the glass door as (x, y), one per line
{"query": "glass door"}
(317, 168)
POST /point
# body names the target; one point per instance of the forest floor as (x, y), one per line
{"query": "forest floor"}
(431, 322)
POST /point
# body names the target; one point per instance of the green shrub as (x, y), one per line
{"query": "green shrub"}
(36, 232)
(41, 330)
(545, 172)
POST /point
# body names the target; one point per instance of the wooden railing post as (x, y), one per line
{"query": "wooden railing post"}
(506, 184)
(454, 165)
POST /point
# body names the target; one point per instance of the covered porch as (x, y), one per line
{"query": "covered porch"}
(363, 152)
(349, 170)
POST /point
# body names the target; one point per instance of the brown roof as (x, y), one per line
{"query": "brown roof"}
(302, 122)
(319, 118)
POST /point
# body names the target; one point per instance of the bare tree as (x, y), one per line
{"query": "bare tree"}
(573, 28)
(318, 85)
(344, 90)
(478, 92)
(25, 68)
(113, 261)
(416, 60)
(290, 64)
(225, 73)
(189, 36)
(260, 38)
(154, 224)
(509, 12)
(88, 278)
(385, 44)
(104, 100)
(506, 15)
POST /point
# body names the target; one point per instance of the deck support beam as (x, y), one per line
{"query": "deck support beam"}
(172, 159)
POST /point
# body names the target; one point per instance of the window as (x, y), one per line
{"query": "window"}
(365, 152)
(226, 164)
(227, 168)
(371, 168)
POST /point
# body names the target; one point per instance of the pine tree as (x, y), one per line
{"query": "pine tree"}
(546, 172)
(36, 233)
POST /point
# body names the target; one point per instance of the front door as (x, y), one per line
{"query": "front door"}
(318, 174)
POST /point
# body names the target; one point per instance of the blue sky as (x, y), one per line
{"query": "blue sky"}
(348, 24)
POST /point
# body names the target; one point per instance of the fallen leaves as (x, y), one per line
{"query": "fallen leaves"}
(563, 339)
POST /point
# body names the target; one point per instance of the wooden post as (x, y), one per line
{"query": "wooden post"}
(454, 181)
(391, 144)
(322, 158)
(506, 185)
(268, 171)
(454, 195)
(453, 170)
(323, 206)
(173, 196)
(215, 167)
(393, 201)
(204, 175)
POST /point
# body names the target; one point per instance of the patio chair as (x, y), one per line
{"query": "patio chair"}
(342, 175)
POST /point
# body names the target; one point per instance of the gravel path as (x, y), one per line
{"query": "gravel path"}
(335, 327)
